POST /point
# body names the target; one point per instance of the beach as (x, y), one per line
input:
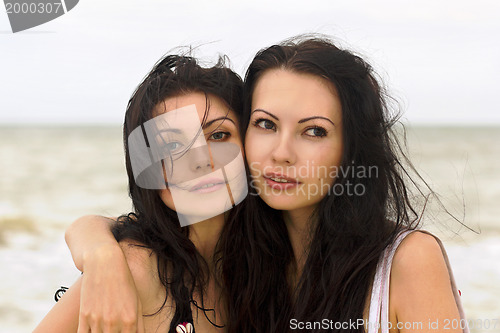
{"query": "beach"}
(52, 175)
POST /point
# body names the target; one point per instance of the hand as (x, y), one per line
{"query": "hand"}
(109, 301)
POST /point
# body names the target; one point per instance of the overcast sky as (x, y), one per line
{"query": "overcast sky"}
(439, 58)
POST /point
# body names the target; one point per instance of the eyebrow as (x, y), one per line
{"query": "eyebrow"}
(179, 131)
(300, 121)
(174, 130)
(269, 113)
(315, 117)
(208, 123)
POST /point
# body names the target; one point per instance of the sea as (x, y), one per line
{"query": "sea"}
(51, 175)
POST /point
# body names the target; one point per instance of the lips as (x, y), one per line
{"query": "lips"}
(208, 185)
(280, 181)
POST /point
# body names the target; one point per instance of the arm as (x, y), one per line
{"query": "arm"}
(63, 317)
(109, 300)
(420, 289)
(91, 236)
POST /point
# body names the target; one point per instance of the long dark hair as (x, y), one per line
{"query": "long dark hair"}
(152, 223)
(350, 231)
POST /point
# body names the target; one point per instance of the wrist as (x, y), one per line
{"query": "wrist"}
(101, 255)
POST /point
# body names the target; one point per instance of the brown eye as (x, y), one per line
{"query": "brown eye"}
(219, 136)
(265, 124)
(316, 132)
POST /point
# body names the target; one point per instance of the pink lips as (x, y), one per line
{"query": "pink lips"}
(208, 185)
(291, 182)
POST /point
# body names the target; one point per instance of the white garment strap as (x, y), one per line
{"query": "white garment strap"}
(379, 302)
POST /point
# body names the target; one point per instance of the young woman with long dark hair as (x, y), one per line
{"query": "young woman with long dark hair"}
(328, 240)
(330, 206)
(169, 169)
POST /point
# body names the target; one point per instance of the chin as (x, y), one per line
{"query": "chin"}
(282, 202)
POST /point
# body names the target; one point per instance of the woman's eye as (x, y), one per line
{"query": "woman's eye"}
(173, 146)
(316, 132)
(265, 124)
(219, 136)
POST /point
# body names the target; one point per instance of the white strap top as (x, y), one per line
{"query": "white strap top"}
(379, 303)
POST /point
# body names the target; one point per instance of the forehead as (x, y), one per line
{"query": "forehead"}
(281, 90)
(216, 107)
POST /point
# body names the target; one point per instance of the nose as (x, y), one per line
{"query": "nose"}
(283, 151)
(200, 159)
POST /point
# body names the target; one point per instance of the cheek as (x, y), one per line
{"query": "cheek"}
(166, 197)
(326, 161)
(250, 158)
(256, 149)
(237, 141)
(177, 171)
(250, 148)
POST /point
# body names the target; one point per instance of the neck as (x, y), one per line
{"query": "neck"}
(205, 235)
(299, 227)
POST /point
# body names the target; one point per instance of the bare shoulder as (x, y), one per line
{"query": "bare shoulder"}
(420, 281)
(142, 263)
(141, 260)
(134, 250)
(418, 249)
(419, 263)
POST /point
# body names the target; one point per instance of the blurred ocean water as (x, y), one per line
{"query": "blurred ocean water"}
(52, 175)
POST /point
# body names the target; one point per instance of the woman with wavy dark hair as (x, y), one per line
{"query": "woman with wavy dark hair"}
(327, 240)
(330, 206)
(180, 127)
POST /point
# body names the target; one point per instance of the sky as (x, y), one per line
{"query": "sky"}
(439, 59)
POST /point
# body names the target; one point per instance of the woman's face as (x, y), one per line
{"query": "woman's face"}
(294, 139)
(201, 172)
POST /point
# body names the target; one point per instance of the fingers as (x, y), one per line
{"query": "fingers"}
(83, 327)
(110, 323)
(128, 325)
(109, 302)
(114, 324)
(91, 322)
